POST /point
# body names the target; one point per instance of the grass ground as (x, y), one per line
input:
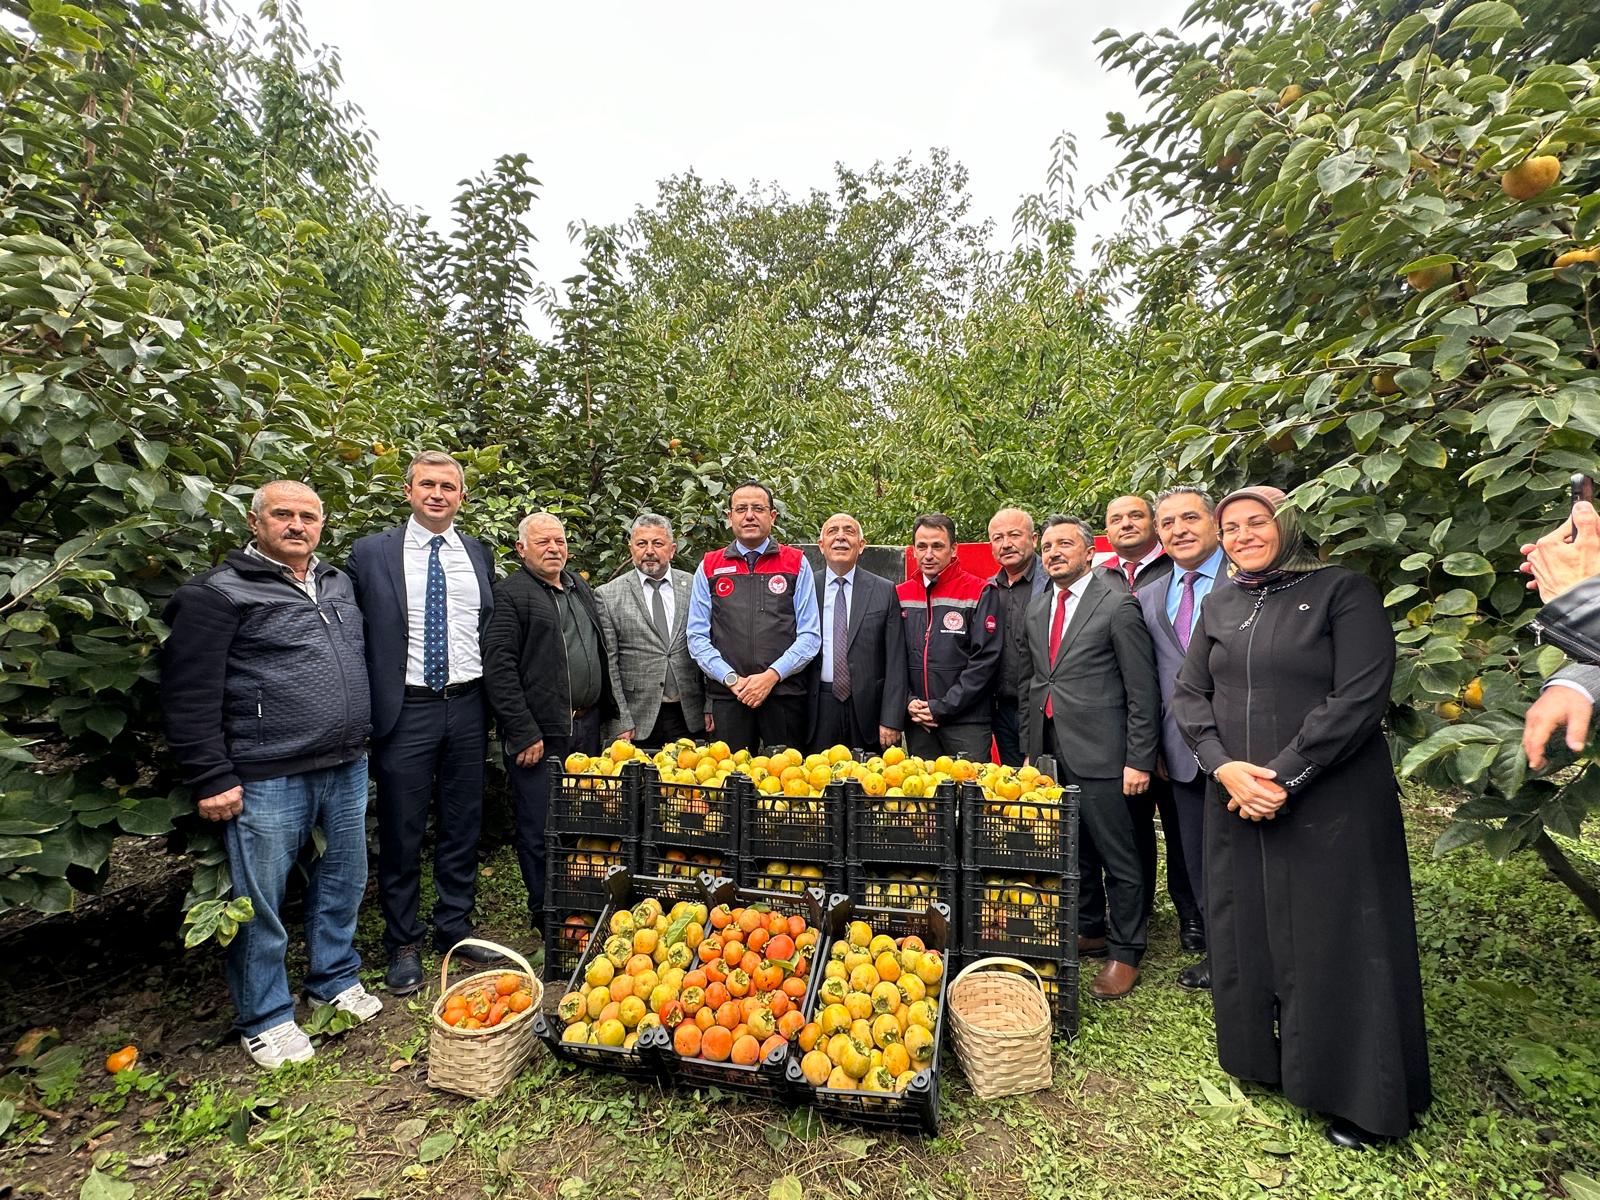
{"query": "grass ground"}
(1138, 1107)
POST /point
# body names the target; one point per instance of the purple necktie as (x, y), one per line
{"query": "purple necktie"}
(1185, 620)
(841, 642)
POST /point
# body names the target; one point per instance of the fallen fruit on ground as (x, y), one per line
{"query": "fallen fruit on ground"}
(122, 1059)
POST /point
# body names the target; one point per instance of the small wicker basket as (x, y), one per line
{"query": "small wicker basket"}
(480, 1063)
(1000, 1023)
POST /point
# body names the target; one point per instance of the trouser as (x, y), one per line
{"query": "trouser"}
(780, 721)
(1189, 803)
(1007, 721)
(530, 798)
(672, 723)
(1111, 891)
(836, 725)
(263, 842)
(434, 756)
(969, 741)
(1159, 800)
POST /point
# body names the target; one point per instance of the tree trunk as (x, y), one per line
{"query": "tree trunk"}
(1575, 880)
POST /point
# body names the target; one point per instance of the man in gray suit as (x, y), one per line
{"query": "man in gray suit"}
(644, 615)
(1091, 701)
(1171, 606)
(858, 682)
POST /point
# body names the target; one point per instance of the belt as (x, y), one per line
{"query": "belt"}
(449, 691)
(579, 714)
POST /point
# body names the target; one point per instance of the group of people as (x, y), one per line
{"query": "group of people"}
(1214, 672)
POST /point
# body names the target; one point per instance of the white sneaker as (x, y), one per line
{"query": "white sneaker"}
(285, 1043)
(355, 1000)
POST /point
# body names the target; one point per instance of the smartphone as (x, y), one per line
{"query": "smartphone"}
(1582, 487)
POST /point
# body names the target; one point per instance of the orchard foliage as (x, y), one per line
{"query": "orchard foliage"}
(1386, 332)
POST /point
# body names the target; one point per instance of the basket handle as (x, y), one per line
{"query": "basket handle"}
(503, 951)
(997, 961)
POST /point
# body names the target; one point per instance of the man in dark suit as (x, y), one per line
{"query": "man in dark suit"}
(1015, 547)
(1091, 702)
(424, 590)
(544, 664)
(1141, 563)
(1189, 536)
(858, 682)
(644, 615)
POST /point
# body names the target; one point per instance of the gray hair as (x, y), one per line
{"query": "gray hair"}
(435, 458)
(1185, 489)
(258, 502)
(528, 522)
(653, 521)
(1085, 530)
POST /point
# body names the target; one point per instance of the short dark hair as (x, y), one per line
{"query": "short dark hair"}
(1184, 489)
(1085, 530)
(752, 483)
(934, 521)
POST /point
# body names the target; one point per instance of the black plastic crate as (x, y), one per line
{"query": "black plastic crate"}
(791, 878)
(693, 814)
(903, 885)
(1059, 981)
(576, 869)
(1013, 835)
(1007, 914)
(624, 889)
(687, 862)
(767, 1078)
(901, 829)
(566, 940)
(597, 805)
(787, 828)
(916, 1109)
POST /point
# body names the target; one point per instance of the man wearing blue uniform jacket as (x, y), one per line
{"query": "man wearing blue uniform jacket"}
(753, 628)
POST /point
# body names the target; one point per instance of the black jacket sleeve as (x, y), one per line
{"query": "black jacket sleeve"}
(194, 668)
(502, 671)
(1571, 622)
(1136, 660)
(977, 677)
(892, 714)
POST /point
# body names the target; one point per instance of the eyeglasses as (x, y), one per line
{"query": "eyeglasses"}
(740, 510)
(1254, 525)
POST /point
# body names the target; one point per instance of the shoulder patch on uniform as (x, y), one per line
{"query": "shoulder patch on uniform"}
(990, 624)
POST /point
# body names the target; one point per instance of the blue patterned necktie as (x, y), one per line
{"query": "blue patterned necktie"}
(435, 646)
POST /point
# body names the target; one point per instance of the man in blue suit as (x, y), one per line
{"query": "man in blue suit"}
(1171, 606)
(424, 589)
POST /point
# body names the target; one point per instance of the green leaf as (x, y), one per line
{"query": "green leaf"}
(786, 1187)
(100, 1186)
(1488, 18)
(435, 1146)
(1406, 29)
(1505, 295)
(1579, 1186)
(8, 1113)
(1464, 562)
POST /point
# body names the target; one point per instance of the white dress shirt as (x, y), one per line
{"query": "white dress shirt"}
(669, 596)
(830, 597)
(462, 602)
(1075, 592)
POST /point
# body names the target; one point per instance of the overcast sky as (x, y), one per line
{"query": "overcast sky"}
(607, 97)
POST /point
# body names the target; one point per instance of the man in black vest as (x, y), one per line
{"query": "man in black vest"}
(753, 627)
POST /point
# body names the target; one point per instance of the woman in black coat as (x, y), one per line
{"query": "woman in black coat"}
(1314, 970)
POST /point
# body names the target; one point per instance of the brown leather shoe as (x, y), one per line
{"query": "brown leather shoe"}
(1115, 980)
(1091, 947)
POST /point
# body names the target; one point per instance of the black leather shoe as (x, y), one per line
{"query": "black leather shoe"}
(1350, 1137)
(405, 971)
(475, 957)
(1192, 937)
(1196, 977)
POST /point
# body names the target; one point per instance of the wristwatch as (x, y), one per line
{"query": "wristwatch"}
(730, 679)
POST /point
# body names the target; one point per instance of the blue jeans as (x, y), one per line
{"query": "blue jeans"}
(263, 843)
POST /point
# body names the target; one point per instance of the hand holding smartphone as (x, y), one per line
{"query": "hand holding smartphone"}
(1571, 553)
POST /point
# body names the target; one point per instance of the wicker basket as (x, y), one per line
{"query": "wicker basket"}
(480, 1063)
(1000, 1022)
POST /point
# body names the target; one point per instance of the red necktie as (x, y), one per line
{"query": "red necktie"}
(1057, 626)
(1132, 569)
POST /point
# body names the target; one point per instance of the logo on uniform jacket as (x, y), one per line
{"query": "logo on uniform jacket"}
(953, 622)
(990, 624)
(724, 586)
(777, 585)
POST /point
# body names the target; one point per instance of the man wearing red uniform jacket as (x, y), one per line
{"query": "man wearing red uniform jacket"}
(953, 646)
(753, 628)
